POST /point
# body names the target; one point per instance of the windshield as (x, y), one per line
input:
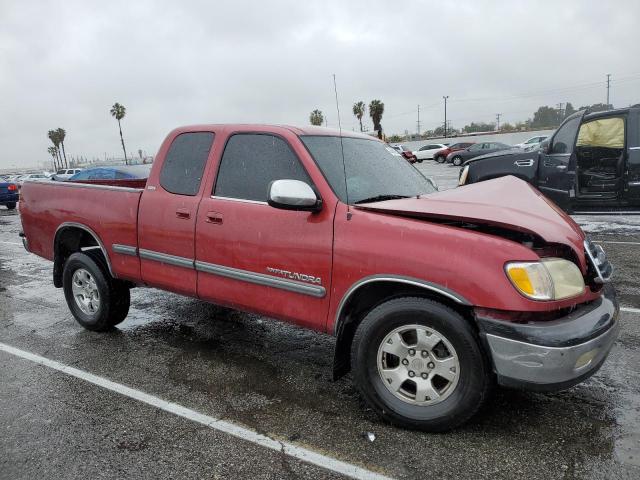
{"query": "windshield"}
(372, 170)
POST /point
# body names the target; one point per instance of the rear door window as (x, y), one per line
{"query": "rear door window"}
(185, 162)
(250, 162)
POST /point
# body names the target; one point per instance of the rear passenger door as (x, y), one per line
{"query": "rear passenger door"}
(255, 257)
(167, 214)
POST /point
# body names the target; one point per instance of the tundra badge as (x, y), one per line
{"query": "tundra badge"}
(295, 275)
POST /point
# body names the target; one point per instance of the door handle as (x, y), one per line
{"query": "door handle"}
(214, 217)
(524, 163)
(561, 167)
(183, 213)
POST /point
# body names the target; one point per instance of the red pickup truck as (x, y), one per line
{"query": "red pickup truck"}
(433, 296)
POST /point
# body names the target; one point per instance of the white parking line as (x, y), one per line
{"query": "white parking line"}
(630, 310)
(618, 243)
(303, 454)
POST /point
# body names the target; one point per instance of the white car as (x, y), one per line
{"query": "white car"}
(426, 152)
(532, 144)
(30, 176)
(65, 174)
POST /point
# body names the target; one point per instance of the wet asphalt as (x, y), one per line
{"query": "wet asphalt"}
(276, 379)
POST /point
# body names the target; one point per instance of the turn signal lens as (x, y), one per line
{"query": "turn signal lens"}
(12, 187)
(532, 279)
(549, 279)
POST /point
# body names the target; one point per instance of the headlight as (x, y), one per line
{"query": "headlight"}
(463, 175)
(549, 279)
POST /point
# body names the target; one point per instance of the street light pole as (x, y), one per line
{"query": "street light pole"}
(445, 114)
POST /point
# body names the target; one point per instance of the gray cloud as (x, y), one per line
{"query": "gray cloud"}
(63, 64)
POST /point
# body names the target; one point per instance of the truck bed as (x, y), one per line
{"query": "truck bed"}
(107, 211)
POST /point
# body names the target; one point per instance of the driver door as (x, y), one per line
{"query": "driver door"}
(255, 257)
(557, 163)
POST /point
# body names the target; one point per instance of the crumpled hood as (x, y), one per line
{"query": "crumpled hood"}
(506, 202)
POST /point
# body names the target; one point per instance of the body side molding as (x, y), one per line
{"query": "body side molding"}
(166, 258)
(125, 249)
(262, 279)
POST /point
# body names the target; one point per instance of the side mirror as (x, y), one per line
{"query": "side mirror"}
(545, 147)
(293, 195)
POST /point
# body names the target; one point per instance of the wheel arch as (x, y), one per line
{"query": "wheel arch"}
(370, 292)
(72, 237)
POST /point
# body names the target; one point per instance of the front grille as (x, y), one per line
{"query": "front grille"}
(600, 270)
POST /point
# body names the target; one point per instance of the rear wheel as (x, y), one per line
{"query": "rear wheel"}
(439, 159)
(97, 301)
(457, 160)
(419, 365)
(11, 206)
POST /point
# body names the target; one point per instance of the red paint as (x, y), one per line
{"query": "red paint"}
(385, 238)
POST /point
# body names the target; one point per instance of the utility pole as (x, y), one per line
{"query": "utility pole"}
(445, 114)
(498, 115)
(608, 87)
(560, 112)
(418, 120)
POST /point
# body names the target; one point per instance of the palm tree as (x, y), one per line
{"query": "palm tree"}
(52, 152)
(118, 112)
(61, 136)
(376, 109)
(359, 109)
(316, 117)
(55, 139)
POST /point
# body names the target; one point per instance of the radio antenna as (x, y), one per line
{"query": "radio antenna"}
(344, 166)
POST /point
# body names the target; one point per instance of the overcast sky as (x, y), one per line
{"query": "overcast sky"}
(64, 63)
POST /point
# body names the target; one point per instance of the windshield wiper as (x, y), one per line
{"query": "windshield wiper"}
(381, 198)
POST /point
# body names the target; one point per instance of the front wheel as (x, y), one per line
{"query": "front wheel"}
(11, 206)
(419, 365)
(97, 301)
(457, 161)
(439, 159)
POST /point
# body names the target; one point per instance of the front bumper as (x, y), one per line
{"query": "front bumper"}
(553, 355)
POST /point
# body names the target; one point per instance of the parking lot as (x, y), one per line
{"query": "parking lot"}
(186, 389)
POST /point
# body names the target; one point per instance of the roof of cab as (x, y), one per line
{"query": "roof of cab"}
(305, 130)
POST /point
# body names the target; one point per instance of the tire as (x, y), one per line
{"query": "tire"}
(99, 302)
(11, 206)
(457, 160)
(457, 401)
(440, 159)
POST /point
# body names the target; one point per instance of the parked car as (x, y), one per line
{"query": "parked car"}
(65, 174)
(9, 194)
(441, 155)
(426, 152)
(406, 153)
(30, 176)
(119, 172)
(460, 156)
(276, 223)
(592, 161)
(532, 144)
